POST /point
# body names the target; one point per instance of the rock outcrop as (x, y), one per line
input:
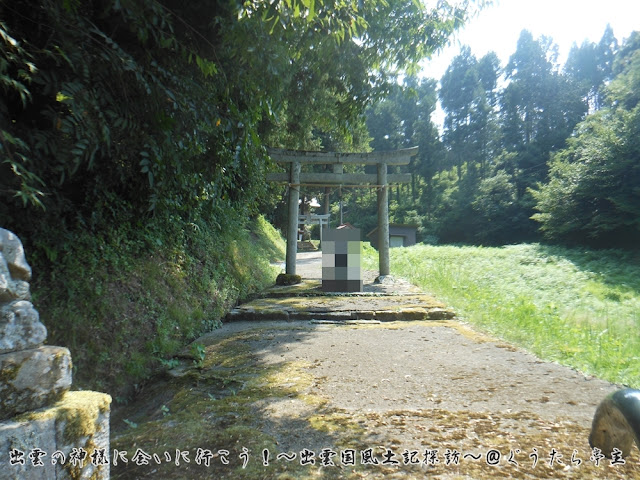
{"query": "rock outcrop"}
(46, 431)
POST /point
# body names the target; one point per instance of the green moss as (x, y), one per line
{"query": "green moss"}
(78, 413)
(217, 406)
(9, 372)
(78, 410)
(288, 279)
(128, 306)
(335, 421)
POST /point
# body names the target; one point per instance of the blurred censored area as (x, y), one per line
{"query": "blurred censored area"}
(341, 253)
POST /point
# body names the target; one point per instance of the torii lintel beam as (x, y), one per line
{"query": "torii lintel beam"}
(395, 157)
(339, 178)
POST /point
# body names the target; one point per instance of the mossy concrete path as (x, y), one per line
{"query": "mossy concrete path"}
(351, 399)
(389, 300)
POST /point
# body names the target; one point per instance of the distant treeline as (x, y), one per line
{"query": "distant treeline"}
(529, 149)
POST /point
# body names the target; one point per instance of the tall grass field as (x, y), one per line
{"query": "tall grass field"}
(578, 307)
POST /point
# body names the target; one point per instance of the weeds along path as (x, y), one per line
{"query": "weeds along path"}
(398, 399)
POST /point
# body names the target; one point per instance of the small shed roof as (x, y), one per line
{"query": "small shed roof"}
(346, 225)
(391, 225)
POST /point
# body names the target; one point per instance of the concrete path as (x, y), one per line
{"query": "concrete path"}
(339, 396)
(421, 386)
(391, 300)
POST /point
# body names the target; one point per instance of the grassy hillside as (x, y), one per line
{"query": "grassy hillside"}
(575, 306)
(126, 303)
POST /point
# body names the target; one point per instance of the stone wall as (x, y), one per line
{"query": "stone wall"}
(46, 431)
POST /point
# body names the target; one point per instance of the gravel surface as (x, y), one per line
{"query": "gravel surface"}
(424, 386)
(419, 386)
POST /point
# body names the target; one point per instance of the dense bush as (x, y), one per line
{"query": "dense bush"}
(125, 307)
(593, 189)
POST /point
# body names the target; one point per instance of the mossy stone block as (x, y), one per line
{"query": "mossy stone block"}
(79, 420)
(20, 327)
(288, 279)
(32, 379)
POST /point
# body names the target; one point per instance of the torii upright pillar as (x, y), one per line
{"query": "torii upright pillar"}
(383, 220)
(292, 231)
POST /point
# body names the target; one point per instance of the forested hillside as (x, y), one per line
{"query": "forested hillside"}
(132, 148)
(529, 150)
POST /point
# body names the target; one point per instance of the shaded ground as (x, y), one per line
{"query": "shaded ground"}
(437, 397)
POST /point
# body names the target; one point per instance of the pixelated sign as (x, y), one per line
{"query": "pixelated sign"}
(341, 251)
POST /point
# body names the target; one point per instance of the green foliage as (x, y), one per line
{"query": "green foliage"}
(401, 120)
(577, 307)
(505, 153)
(16, 71)
(468, 96)
(495, 206)
(591, 66)
(540, 108)
(119, 107)
(133, 300)
(592, 193)
(109, 114)
(198, 352)
(346, 54)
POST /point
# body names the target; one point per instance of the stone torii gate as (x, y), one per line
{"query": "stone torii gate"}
(380, 181)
